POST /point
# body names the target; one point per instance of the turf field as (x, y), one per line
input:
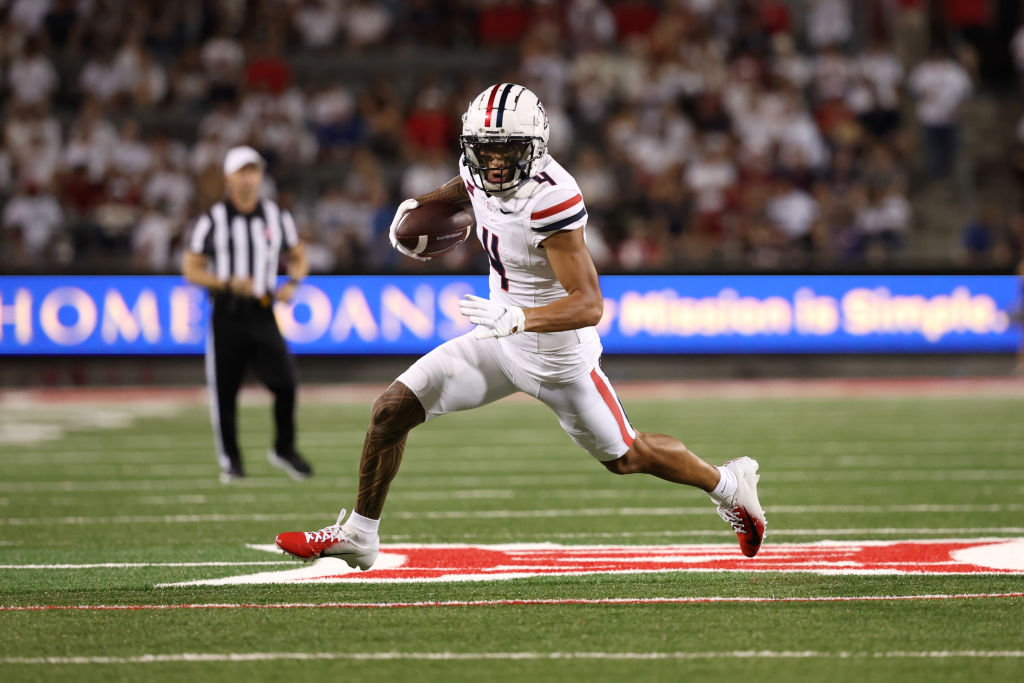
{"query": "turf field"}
(107, 500)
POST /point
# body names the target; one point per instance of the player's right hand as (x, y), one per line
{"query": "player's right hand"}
(403, 209)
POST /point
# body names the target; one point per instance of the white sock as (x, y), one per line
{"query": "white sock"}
(726, 488)
(364, 527)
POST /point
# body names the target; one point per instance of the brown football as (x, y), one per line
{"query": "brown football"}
(436, 227)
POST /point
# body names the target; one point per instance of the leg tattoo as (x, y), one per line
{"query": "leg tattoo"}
(394, 413)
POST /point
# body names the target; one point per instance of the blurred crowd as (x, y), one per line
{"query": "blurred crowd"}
(741, 133)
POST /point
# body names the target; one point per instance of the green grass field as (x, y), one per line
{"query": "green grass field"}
(134, 483)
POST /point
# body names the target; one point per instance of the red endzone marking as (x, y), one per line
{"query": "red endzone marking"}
(513, 602)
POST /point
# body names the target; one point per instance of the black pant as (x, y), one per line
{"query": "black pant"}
(243, 333)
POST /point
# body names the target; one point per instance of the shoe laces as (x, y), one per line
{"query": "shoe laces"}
(733, 517)
(329, 534)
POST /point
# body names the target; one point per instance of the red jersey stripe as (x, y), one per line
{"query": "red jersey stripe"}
(557, 208)
(613, 405)
(490, 104)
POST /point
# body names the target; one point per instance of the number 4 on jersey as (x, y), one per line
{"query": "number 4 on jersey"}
(543, 177)
(491, 247)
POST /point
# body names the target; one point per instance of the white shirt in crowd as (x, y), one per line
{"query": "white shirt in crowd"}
(829, 22)
(318, 23)
(891, 214)
(709, 178)
(793, 213)
(226, 126)
(664, 141)
(885, 72)
(795, 69)
(131, 158)
(940, 86)
(29, 15)
(151, 240)
(172, 187)
(223, 58)
(37, 216)
(32, 79)
(832, 74)
(91, 145)
(801, 144)
(590, 22)
(425, 176)
(21, 130)
(367, 23)
(597, 184)
(141, 76)
(102, 80)
(333, 105)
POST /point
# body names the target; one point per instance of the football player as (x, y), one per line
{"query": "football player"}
(535, 333)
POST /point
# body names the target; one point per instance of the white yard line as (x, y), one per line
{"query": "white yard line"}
(166, 444)
(432, 479)
(428, 480)
(822, 465)
(240, 657)
(132, 565)
(510, 602)
(333, 496)
(681, 533)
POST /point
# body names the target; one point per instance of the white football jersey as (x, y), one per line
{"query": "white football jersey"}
(512, 230)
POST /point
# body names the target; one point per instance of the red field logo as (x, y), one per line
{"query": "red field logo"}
(422, 563)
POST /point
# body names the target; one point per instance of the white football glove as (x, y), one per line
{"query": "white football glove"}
(403, 209)
(494, 319)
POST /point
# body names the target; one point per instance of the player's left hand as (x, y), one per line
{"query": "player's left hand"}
(494, 319)
(403, 210)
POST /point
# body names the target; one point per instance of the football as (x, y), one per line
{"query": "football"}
(434, 228)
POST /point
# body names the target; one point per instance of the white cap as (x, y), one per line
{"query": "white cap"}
(238, 157)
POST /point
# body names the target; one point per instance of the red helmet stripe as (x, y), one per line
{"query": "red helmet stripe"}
(490, 104)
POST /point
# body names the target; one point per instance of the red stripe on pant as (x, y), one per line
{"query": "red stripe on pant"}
(613, 405)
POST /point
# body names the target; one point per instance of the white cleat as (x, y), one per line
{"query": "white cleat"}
(330, 541)
(745, 513)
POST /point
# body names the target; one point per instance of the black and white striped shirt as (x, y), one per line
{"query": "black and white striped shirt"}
(245, 245)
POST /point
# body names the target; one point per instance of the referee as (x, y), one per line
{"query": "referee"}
(234, 253)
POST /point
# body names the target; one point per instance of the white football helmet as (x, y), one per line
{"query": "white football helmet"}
(504, 137)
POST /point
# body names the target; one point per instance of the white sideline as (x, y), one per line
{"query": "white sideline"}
(208, 657)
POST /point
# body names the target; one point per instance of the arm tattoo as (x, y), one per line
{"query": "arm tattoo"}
(395, 412)
(453, 191)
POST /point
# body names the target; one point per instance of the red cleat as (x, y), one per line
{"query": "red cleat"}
(745, 513)
(330, 541)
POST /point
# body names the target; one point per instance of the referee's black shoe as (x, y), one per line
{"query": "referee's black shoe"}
(292, 463)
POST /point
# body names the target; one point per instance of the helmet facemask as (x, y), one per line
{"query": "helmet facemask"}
(499, 165)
